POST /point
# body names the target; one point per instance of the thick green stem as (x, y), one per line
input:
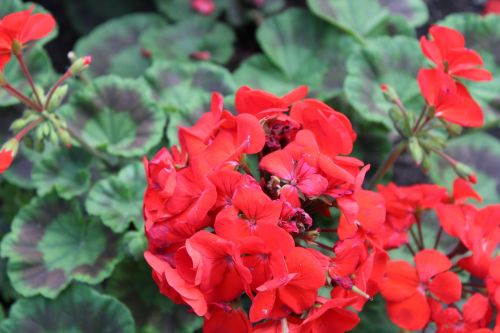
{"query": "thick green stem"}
(19, 136)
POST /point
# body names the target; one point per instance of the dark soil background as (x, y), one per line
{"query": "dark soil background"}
(405, 172)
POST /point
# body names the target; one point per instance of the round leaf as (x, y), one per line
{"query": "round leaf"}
(40, 67)
(236, 11)
(187, 87)
(80, 309)
(198, 34)
(69, 181)
(259, 72)
(481, 152)
(346, 14)
(117, 116)
(393, 61)
(118, 199)
(312, 52)
(415, 12)
(52, 243)
(115, 48)
(482, 34)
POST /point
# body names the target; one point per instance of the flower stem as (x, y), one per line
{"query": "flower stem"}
(75, 135)
(412, 251)
(60, 81)
(389, 162)
(19, 136)
(27, 74)
(323, 246)
(327, 229)
(438, 237)
(21, 97)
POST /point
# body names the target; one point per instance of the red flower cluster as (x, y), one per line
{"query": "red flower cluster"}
(19, 28)
(430, 292)
(229, 217)
(440, 86)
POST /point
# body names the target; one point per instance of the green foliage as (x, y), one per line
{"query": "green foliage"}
(117, 116)
(312, 53)
(479, 151)
(79, 309)
(68, 182)
(117, 200)
(114, 45)
(346, 14)
(52, 243)
(393, 61)
(184, 90)
(181, 40)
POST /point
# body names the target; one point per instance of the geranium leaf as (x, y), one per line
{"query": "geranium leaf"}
(78, 309)
(482, 34)
(114, 45)
(184, 90)
(312, 53)
(117, 200)
(182, 40)
(52, 243)
(346, 14)
(135, 243)
(117, 116)
(68, 181)
(481, 152)
(259, 72)
(40, 67)
(415, 12)
(393, 61)
(236, 11)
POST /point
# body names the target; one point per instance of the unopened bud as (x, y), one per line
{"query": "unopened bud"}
(80, 65)
(416, 150)
(465, 172)
(57, 98)
(453, 129)
(12, 145)
(201, 55)
(390, 93)
(311, 235)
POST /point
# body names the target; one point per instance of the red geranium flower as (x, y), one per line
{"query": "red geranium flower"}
(22, 27)
(405, 287)
(450, 99)
(447, 50)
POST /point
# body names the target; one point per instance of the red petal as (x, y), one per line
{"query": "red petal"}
(411, 314)
(250, 133)
(447, 38)
(461, 109)
(279, 163)
(38, 26)
(227, 321)
(401, 281)
(475, 308)
(262, 305)
(447, 287)
(430, 263)
(6, 159)
(462, 190)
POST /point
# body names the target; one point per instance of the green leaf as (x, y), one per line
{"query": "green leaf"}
(415, 12)
(346, 14)
(258, 71)
(114, 45)
(80, 309)
(179, 41)
(40, 67)
(53, 243)
(482, 34)
(393, 61)
(117, 200)
(479, 151)
(311, 53)
(237, 12)
(64, 170)
(117, 116)
(184, 90)
(135, 243)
